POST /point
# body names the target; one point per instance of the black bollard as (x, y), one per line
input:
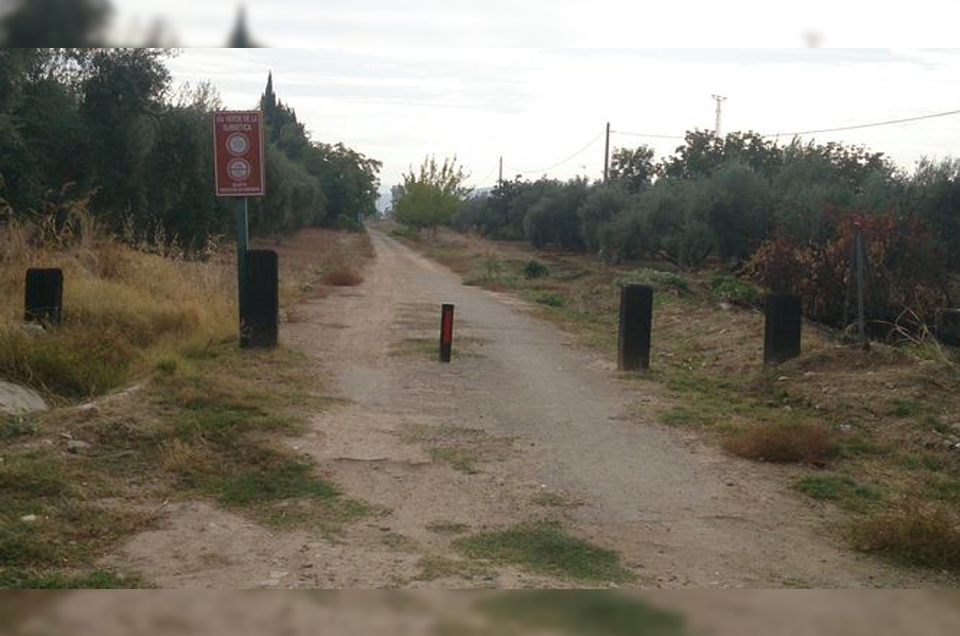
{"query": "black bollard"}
(43, 296)
(781, 335)
(446, 333)
(260, 324)
(636, 322)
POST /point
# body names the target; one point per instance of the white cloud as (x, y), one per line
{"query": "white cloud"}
(537, 106)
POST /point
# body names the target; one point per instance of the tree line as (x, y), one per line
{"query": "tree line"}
(744, 202)
(104, 129)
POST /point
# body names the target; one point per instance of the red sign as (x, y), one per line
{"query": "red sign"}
(238, 153)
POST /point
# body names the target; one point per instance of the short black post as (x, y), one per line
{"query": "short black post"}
(636, 322)
(43, 296)
(260, 322)
(781, 336)
(446, 333)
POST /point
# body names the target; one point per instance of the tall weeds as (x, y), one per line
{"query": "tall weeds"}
(124, 307)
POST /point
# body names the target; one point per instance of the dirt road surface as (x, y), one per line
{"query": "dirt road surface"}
(521, 426)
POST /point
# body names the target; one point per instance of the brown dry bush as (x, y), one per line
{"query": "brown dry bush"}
(928, 535)
(342, 277)
(784, 443)
(905, 270)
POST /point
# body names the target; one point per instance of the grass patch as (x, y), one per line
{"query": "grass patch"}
(437, 567)
(551, 500)
(16, 426)
(283, 480)
(46, 522)
(463, 460)
(535, 269)
(342, 277)
(839, 489)
(656, 279)
(219, 447)
(686, 416)
(551, 300)
(424, 347)
(731, 289)
(583, 613)
(927, 535)
(784, 443)
(545, 548)
(96, 580)
(447, 527)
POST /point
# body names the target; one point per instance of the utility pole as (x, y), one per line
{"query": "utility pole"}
(720, 99)
(500, 179)
(606, 157)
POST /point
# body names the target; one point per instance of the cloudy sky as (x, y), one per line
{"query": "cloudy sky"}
(537, 107)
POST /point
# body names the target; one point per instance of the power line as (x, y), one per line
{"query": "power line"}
(570, 158)
(890, 122)
(489, 174)
(650, 135)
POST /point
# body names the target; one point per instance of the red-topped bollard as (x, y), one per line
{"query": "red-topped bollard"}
(446, 333)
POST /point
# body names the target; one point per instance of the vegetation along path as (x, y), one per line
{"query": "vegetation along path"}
(522, 463)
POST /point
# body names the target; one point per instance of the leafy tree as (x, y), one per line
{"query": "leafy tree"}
(431, 196)
(633, 168)
(738, 209)
(73, 23)
(599, 207)
(553, 219)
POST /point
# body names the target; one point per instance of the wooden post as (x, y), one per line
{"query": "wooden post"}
(636, 322)
(43, 296)
(781, 336)
(446, 333)
(261, 311)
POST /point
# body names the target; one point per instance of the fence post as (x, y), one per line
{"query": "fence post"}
(636, 322)
(446, 333)
(260, 318)
(43, 296)
(781, 335)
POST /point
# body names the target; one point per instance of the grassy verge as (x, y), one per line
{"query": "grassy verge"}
(584, 613)
(882, 421)
(545, 548)
(203, 421)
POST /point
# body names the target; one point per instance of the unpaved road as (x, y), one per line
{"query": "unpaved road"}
(535, 416)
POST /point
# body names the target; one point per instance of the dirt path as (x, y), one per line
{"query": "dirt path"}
(525, 427)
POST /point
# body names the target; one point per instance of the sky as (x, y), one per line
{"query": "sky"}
(537, 107)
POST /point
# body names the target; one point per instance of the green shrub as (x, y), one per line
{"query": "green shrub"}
(656, 279)
(733, 290)
(552, 300)
(535, 269)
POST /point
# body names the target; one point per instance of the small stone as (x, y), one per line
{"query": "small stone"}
(75, 446)
(33, 329)
(782, 378)
(28, 518)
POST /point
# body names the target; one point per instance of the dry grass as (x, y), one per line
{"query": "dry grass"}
(124, 308)
(922, 535)
(784, 444)
(308, 256)
(342, 277)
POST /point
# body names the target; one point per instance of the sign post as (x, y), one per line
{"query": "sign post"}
(238, 157)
